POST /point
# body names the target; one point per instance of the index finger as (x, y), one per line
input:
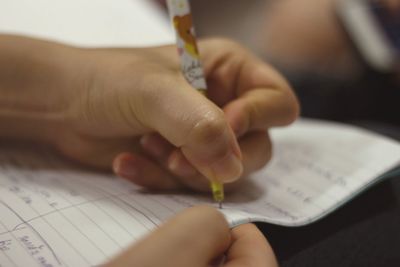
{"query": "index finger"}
(252, 94)
(264, 100)
(260, 109)
(249, 248)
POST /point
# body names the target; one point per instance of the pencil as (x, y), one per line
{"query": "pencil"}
(181, 18)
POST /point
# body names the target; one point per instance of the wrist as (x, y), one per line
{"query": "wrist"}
(37, 84)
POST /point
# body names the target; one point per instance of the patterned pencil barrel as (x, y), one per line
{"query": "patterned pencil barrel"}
(181, 17)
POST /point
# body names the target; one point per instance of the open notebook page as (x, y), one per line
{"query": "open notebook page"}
(55, 214)
(317, 167)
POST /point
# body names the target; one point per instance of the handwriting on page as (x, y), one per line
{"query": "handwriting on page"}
(316, 167)
(53, 216)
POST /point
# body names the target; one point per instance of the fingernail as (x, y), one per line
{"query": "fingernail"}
(125, 167)
(179, 165)
(227, 169)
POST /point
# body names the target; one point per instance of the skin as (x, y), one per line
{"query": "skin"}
(244, 246)
(313, 26)
(393, 5)
(132, 111)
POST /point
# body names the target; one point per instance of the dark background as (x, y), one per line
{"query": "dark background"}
(366, 231)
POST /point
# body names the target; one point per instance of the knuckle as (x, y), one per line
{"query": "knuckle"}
(211, 127)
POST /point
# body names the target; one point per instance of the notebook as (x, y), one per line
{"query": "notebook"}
(53, 213)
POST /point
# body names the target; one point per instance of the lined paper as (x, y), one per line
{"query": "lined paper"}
(51, 216)
(317, 167)
(53, 213)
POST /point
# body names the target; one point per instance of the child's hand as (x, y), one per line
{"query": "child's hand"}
(198, 237)
(137, 101)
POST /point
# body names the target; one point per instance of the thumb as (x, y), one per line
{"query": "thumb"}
(194, 124)
(193, 238)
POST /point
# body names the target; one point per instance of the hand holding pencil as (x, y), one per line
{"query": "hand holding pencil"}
(133, 107)
(192, 70)
(227, 138)
(160, 133)
(134, 110)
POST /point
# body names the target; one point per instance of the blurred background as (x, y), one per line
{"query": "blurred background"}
(307, 41)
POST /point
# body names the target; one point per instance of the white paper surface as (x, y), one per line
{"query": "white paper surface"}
(54, 214)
